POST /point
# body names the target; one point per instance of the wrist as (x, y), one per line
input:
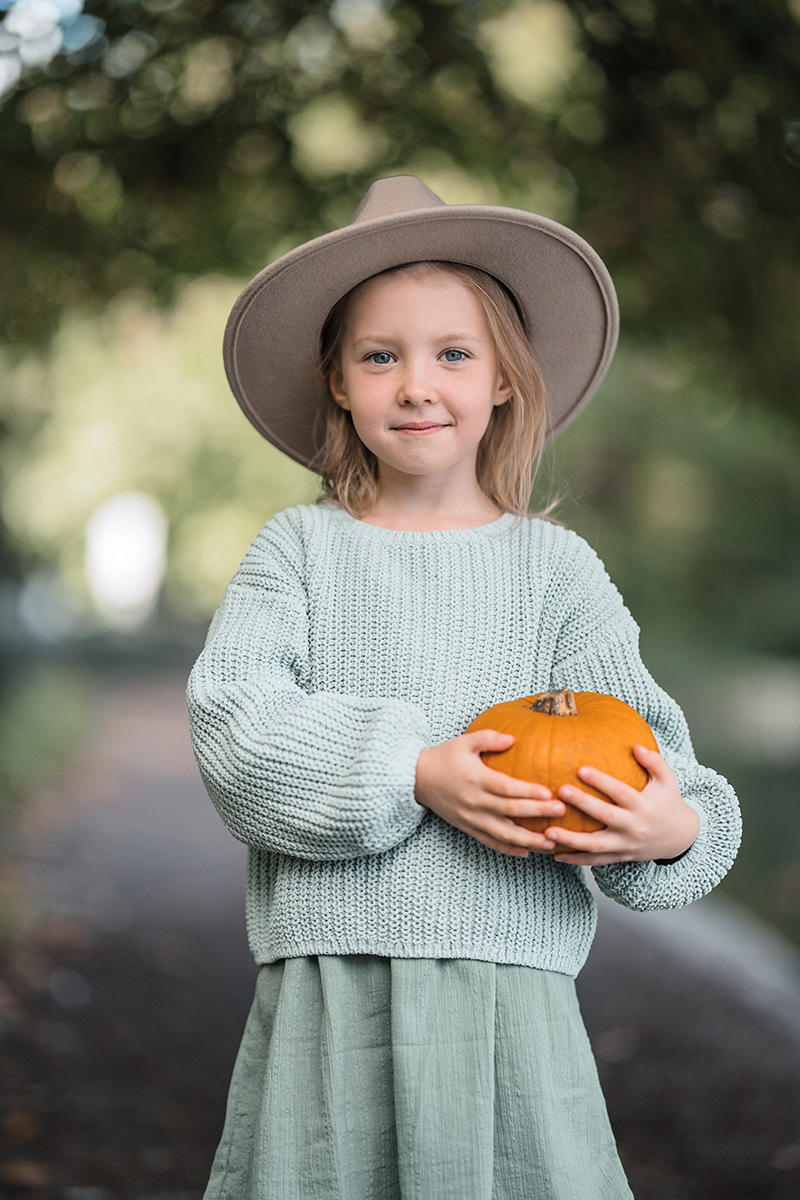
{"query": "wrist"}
(680, 847)
(667, 862)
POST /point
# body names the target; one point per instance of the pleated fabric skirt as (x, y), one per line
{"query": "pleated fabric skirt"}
(366, 1078)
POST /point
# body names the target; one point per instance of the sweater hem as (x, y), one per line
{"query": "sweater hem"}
(305, 949)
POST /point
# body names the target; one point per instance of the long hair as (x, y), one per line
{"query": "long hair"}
(511, 448)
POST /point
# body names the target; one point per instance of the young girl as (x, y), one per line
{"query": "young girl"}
(415, 1031)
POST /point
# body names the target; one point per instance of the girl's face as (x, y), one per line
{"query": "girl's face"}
(418, 372)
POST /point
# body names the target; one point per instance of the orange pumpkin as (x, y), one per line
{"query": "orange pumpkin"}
(558, 732)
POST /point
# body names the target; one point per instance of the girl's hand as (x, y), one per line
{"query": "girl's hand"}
(653, 823)
(455, 783)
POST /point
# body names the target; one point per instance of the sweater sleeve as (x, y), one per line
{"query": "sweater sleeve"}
(315, 775)
(597, 650)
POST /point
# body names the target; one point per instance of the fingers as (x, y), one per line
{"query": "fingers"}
(458, 786)
(652, 762)
(488, 739)
(503, 830)
(570, 841)
(543, 845)
(617, 791)
(526, 810)
(604, 811)
(587, 860)
(600, 854)
(652, 823)
(516, 798)
(509, 848)
(493, 817)
(498, 782)
(618, 819)
(509, 838)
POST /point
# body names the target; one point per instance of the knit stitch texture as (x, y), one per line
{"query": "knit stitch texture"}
(339, 652)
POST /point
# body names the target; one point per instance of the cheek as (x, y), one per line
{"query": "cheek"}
(363, 415)
(482, 405)
(367, 399)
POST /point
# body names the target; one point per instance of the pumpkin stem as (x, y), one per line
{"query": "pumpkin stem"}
(556, 704)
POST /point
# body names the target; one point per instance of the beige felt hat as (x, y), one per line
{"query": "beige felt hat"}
(562, 289)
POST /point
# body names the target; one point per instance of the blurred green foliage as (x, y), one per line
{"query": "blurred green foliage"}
(692, 500)
(44, 716)
(213, 135)
(136, 400)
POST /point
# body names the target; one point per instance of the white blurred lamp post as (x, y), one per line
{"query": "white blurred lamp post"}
(126, 542)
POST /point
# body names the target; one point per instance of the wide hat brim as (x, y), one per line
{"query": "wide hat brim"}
(562, 288)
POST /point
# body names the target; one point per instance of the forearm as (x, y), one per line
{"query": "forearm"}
(319, 777)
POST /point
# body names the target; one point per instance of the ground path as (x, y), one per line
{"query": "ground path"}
(128, 981)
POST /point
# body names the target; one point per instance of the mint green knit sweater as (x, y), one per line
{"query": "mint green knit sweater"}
(340, 651)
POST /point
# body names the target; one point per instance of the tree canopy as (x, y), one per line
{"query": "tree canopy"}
(199, 135)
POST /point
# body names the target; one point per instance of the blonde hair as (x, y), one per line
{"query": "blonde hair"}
(511, 448)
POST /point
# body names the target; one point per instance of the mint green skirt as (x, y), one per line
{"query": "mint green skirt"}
(365, 1078)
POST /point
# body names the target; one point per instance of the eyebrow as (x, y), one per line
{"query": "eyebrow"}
(446, 337)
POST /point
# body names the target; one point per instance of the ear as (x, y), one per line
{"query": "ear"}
(336, 387)
(504, 391)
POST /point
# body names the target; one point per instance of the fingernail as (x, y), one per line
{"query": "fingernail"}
(566, 791)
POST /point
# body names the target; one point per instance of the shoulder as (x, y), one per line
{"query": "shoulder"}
(296, 521)
(570, 577)
(299, 525)
(561, 548)
(285, 543)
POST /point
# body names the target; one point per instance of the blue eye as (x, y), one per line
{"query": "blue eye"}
(380, 357)
(453, 355)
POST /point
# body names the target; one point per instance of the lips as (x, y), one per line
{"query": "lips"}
(421, 425)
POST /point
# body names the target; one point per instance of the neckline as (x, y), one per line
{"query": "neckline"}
(471, 530)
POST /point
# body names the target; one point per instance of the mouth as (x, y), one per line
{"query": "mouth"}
(419, 427)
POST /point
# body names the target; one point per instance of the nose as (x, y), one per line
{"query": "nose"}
(415, 387)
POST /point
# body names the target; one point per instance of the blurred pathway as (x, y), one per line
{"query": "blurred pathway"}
(129, 980)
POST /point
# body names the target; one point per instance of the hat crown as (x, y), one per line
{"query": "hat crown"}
(396, 194)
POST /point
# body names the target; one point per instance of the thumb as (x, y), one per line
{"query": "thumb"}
(490, 739)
